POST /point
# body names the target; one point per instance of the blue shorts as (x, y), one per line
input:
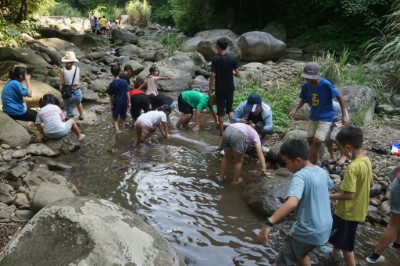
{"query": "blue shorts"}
(119, 110)
(394, 197)
(61, 134)
(343, 233)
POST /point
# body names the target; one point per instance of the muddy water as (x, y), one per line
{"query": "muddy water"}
(171, 184)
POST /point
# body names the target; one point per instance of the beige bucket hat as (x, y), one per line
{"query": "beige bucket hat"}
(69, 57)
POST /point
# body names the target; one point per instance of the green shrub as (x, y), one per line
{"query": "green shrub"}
(138, 12)
(64, 9)
(171, 42)
(110, 12)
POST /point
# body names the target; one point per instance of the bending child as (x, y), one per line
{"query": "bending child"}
(148, 122)
(53, 118)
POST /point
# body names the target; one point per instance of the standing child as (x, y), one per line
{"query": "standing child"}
(318, 93)
(53, 118)
(308, 195)
(150, 121)
(151, 81)
(119, 98)
(353, 198)
(223, 66)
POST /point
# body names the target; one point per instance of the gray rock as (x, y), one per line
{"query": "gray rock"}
(89, 95)
(190, 45)
(47, 193)
(100, 85)
(385, 108)
(129, 50)
(265, 195)
(179, 81)
(41, 149)
(35, 63)
(83, 231)
(90, 41)
(7, 213)
(37, 176)
(12, 132)
(375, 190)
(24, 215)
(258, 46)
(6, 194)
(385, 207)
(19, 154)
(62, 46)
(21, 199)
(64, 145)
(121, 36)
(16, 172)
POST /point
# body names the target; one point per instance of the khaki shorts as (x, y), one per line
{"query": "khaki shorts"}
(318, 129)
(333, 131)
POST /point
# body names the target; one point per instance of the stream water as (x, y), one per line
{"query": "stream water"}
(171, 184)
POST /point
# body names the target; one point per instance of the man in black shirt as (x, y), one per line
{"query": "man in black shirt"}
(223, 67)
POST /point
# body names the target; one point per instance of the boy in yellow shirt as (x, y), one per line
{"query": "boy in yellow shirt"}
(353, 198)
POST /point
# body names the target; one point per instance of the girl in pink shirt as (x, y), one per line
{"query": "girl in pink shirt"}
(151, 81)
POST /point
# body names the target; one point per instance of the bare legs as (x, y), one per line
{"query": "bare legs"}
(139, 132)
(221, 123)
(230, 155)
(116, 126)
(314, 150)
(390, 235)
(80, 110)
(75, 129)
(329, 146)
(184, 120)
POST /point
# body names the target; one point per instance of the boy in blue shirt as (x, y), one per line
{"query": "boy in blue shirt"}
(308, 195)
(318, 93)
(120, 99)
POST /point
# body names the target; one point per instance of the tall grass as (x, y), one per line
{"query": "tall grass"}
(64, 9)
(171, 42)
(138, 12)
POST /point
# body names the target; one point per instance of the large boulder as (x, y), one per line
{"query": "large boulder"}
(265, 195)
(34, 62)
(100, 85)
(121, 36)
(12, 132)
(189, 62)
(88, 231)
(47, 193)
(62, 46)
(90, 41)
(360, 103)
(47, 51)
(190, 45)
(47, 32)
(129, 50)
(276, 29)
(258, 46)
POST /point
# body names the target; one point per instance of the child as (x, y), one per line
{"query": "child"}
(119, 98)
(237, 137)
(53, 118)
(140, 102)
(391, 235)
(308, 195)
(331, 138)
(161, 99)
(318, 93)
(189, 101)
(353, 198)
(223, 67)
(151, 81)
(127, 74)
(149, 121)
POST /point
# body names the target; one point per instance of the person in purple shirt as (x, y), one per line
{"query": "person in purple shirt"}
(13, 95)
(318, 93)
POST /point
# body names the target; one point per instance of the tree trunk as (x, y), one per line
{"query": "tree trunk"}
(22, 11)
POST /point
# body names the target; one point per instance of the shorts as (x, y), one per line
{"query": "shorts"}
(333, 131)
(139, 102)
(103, 28)
(235, 139)
(318, 129)
(60, 134)
(394, 197)
(224, 101)
(343, 233)
(293, 251)
(183, 106)
(119, 110)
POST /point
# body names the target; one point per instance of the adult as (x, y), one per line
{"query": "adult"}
(13, 95)
(223, 67)
(237, 137)
(254, 111)
(391, 235)
(66, 76)
(190, 102)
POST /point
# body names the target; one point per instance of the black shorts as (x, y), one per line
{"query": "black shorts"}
(183, 106)
(343, 233)
(139, 102)
(30, 115)
(224, 101)
(103, 28)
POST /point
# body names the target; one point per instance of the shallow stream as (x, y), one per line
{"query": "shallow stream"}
(171, 184)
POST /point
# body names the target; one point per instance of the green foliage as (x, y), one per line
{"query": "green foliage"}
(280, 97)
(171, 42)
(138, 12)
(162, 14)
(332, 69)
(110, 12)
(64, 9)
(9, 31)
